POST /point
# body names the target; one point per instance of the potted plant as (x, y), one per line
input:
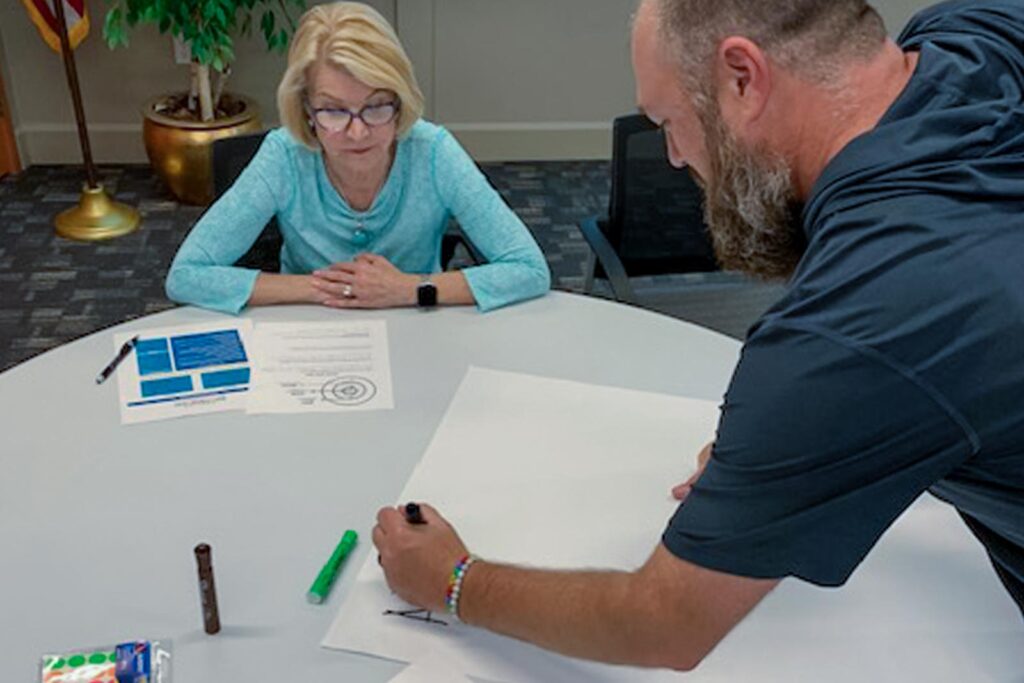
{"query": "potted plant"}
(179, 127)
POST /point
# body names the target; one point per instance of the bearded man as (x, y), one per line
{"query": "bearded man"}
(884, 181)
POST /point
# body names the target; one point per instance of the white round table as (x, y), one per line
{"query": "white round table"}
(98, 520)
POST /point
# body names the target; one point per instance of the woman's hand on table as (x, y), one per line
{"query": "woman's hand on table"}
(368, 281)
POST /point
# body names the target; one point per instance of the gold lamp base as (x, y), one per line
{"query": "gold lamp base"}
(97, 217)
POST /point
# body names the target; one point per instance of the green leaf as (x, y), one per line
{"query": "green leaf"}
(208, 25)
(184, 15)
(113, 27)
(267, 23)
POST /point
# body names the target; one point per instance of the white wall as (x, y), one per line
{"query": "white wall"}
(897, 12)
(529, 79)
(514, 79)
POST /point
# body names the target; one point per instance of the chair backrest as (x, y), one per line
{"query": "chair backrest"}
(656, 222)
(230, 157)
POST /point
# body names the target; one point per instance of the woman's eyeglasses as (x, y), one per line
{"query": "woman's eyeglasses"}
(338, 119)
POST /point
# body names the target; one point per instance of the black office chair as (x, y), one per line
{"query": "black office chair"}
(232, 155)
(653, 249)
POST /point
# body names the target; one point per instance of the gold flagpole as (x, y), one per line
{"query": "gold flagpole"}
(97, 216)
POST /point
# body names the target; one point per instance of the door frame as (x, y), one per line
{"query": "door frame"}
(10, 161)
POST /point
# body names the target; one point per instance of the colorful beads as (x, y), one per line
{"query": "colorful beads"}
(451, 596)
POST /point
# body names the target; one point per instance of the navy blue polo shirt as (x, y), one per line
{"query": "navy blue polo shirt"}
(894, 364)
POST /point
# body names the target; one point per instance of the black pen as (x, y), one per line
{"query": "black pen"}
(121, 355)
(413, 515)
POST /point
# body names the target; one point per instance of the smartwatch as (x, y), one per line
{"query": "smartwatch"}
(426, 293)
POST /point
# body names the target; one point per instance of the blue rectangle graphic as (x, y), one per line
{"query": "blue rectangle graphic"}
(165, 387)
(192, 351)
(153, 356)
(152, 363)
(225, 378)
(156, 345)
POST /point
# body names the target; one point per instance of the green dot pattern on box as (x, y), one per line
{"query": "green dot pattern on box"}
(75, 661)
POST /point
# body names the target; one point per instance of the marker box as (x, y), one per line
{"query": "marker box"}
(141, 661)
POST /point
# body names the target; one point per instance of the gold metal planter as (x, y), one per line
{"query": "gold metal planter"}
(180, 151)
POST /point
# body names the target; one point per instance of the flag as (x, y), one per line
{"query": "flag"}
(45, 18)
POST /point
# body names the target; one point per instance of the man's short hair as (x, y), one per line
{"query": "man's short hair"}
(812, 37)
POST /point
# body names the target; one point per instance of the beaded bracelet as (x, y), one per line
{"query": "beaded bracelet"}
(451, 596)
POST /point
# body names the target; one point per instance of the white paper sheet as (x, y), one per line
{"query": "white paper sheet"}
(558, 474)
(184, 370)
(321, 367)
(433, 669)
(543, 472)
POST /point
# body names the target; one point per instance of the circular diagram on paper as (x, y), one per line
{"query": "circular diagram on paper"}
(348, 391)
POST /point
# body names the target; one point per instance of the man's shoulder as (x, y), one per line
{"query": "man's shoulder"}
(916, 281)
(981, 17)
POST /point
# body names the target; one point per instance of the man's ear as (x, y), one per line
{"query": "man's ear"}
(744, 79)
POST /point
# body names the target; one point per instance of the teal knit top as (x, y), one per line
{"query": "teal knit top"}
(431, 179)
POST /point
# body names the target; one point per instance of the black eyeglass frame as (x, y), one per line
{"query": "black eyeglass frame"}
(314, 114)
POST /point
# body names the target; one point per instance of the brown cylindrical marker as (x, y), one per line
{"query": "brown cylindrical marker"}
(207, 592)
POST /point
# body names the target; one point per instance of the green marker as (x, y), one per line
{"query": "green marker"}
(322, 586)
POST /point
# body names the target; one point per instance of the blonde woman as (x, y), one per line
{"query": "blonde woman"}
(362, 189)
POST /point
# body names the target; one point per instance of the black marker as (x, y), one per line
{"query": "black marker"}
(207, 592)
(413, 514)
(121, 355)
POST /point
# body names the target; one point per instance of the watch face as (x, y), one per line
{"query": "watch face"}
(426, 295)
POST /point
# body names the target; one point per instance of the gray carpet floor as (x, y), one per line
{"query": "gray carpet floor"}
(54, 290)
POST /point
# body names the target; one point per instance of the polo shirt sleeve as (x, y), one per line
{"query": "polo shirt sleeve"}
(820, 446)
(203, 271)
(516, 268)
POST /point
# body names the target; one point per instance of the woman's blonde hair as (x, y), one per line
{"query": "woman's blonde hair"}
(354, 36)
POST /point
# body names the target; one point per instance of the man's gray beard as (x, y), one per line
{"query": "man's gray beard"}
(750, 207)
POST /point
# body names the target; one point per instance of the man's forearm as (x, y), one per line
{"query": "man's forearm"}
(669, 613)
(602, 616)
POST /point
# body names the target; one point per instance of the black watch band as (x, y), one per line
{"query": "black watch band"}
(426, 293)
